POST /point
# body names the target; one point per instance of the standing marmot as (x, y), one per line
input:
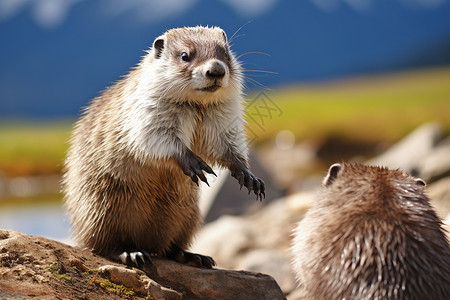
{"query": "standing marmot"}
(137, 152)
(372, 235)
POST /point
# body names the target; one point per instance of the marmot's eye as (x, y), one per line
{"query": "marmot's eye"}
(185, 57)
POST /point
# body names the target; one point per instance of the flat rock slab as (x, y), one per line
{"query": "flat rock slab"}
(33, 266)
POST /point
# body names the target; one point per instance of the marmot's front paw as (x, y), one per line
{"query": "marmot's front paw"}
(251, 182)
(193, 166)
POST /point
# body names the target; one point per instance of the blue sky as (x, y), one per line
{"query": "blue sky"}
(55, 55)
(49, 14)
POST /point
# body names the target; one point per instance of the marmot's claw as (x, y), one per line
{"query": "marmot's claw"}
(252, 183)
(249, 182)
(193, 166)
(199, 174)
(204, 166)
(262, 195)
(207, 261)
(259, 189)
(135, 258)
(241, 179)
(194, 179)
(188, 258)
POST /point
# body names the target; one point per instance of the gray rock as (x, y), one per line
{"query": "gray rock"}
(447, 226)
(439, 194)
(197, 283)
(225, 198)
(268, 261)
(224, 239)
(436, 164)
(298, 294)
(257, 241)
(410, 151)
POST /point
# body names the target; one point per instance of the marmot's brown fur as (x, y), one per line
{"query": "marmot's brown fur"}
(372, 234)
(139, 149)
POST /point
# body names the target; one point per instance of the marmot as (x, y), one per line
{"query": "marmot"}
(132, 169)
(372, 234)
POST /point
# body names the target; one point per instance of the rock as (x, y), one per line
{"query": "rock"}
(300, 203)
(299, 294)
(439, 194)
(33, 266)
(407, 153)
(223, 239)
(127, 277)
(259, 241)
(285, 164)
(446, 226)
(214, 284)
(138, 281)
(223, 197)
(159, 292)
(268, 261)
(436, 164)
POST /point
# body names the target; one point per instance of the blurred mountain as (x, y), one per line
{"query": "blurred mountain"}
(54, 57)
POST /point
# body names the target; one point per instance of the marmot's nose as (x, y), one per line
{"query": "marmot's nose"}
(216, 70)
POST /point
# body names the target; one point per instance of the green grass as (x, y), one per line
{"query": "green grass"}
(368, 110)
(28, 148)
(371, 109)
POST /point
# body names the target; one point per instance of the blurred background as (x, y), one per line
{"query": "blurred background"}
(326, 80)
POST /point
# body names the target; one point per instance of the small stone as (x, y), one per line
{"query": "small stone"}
(78, 264)
(4, 234)
(158, 292)
(124, 276)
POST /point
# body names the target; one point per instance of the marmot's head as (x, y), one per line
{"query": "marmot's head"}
(197, 65)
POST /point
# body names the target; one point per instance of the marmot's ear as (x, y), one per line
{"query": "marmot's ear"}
(420, 181)
(333, 171)
(158, 45)
(224, 36)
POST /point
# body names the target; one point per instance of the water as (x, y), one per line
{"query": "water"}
(48, 220)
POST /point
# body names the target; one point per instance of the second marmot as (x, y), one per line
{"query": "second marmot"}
(372, 234)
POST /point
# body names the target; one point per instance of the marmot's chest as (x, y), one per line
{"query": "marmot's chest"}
(193, 123)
